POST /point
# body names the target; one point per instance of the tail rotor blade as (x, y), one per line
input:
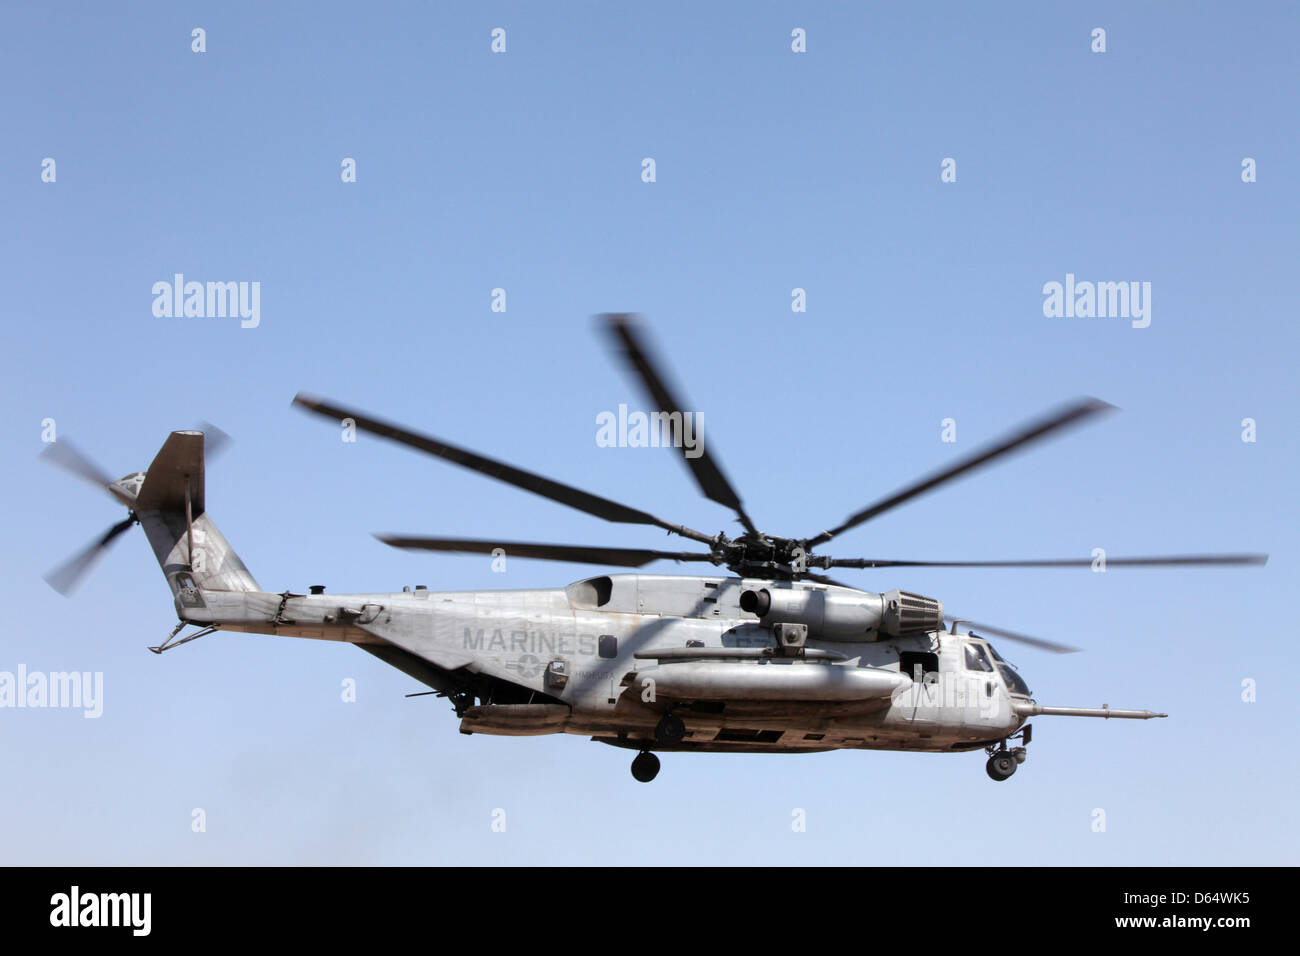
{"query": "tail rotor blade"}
(67, 576)
(65, 455)
(215, 440)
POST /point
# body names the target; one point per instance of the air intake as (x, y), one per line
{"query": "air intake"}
(907, 613)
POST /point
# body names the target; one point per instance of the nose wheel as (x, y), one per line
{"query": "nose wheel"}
(1003, 761)
(1001, 765)
(645, 766)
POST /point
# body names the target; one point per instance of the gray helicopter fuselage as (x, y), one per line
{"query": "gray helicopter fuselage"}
(776, 657)
(607, 656)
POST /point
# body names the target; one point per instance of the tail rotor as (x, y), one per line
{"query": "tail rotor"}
(67, 576)
(63, 454)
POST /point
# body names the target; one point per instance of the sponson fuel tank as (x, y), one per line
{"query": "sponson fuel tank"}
(713, 680)
(515, 720)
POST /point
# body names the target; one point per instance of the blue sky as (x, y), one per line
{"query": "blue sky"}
(775, 171)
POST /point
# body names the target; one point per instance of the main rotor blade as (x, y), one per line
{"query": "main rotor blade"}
(65, 455)
(576, 553)
(67, 576)
(556, 491)
(708, 474)
(1168, 560)
(1038, 642)
(823, 579)
(1070, 415)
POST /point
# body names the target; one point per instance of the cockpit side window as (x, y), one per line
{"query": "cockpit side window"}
(977, 660)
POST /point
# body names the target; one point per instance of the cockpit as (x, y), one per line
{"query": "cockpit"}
(977, 659)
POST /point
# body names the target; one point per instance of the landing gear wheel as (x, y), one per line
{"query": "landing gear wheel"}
(1001, 765)
(1020, 753)
(671, 730)
(645, 766)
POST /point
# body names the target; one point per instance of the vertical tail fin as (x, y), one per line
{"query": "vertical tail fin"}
(169, 501)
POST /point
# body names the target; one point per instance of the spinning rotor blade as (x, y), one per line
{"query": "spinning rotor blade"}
(823, 579)
(527, 480)
(1019, 638)
(68, 575)
(576, 553)
(215, 440)
(1168, 560)
(65, 455)
(1034, 431)
(708, 474)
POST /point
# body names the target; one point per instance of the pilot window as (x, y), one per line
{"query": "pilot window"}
(977, 660)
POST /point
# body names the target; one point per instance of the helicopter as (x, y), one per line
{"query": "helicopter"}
(764, 653)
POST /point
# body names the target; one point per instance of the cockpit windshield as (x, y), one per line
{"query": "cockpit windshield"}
(1015, 683)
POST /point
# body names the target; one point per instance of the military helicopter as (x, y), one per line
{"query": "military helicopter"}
(770, 656)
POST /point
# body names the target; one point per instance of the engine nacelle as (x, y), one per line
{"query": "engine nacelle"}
(845, 616)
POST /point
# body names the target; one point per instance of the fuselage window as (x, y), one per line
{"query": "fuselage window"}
(607, 647)
(916, 664)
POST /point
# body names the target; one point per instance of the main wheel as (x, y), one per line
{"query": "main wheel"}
(671, 730)
(645, 766)
(1001, 765)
